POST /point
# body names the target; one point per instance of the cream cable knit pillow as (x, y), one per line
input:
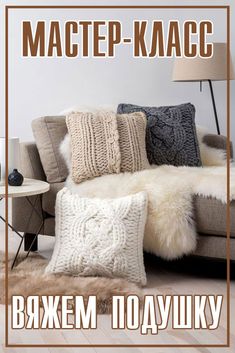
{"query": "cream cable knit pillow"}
(100, 237)
(94, 143)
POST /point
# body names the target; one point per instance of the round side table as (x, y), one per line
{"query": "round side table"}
(30, 187)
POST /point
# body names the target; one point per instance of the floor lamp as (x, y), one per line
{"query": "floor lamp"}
(200, 69)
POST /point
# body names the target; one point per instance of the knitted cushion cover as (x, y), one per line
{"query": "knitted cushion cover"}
(94, 144)
(105, 143)
(100, 237)
(170, 135)
(132, 131)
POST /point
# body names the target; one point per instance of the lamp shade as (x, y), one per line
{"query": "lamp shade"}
(201, 69)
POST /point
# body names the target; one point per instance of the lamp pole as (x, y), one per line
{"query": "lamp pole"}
(214, 107)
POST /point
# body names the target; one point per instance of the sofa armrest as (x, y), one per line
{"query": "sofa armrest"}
(30, 167)
(218, 141)
(30, 163)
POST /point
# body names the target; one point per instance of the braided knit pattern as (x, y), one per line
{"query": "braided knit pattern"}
(94, 143)
(100, 237)
(132, 130)
(171, 136)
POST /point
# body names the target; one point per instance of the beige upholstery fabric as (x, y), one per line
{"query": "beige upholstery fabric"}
(131, 129)
(210, 216)
(214, 246)
(217, 141)
(94, 144)
(30, 167)
(49, 131)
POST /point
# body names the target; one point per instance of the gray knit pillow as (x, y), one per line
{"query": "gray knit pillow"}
(170, 135)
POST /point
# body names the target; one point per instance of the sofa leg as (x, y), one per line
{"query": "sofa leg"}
(28, 239)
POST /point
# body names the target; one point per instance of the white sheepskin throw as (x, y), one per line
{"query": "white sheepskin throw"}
(210, 156)
(170, 230)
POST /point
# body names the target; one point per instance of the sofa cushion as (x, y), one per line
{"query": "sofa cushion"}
(132, 131)
(94, 142)
(171, 136)
(100, 237)
(214, 246)
(49, 198)
(210, 216)
(105, 143)
(48, 132)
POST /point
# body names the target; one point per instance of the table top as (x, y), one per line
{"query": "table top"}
(28, 188)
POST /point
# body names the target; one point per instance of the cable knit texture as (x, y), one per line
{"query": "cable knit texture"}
(94, 143)
(100, 237)
(132, 129)
(170, 135)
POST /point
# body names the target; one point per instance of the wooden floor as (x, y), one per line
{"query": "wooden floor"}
(194, 277)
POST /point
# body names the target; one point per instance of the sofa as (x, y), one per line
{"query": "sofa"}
(210, 214)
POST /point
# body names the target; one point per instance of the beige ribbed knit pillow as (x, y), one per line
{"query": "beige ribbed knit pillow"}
(105, 143)
(132, 129)
(94, 144)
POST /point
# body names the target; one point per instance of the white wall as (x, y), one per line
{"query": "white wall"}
(47, 86)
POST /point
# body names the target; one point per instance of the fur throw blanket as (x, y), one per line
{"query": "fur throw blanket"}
(170, 231)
